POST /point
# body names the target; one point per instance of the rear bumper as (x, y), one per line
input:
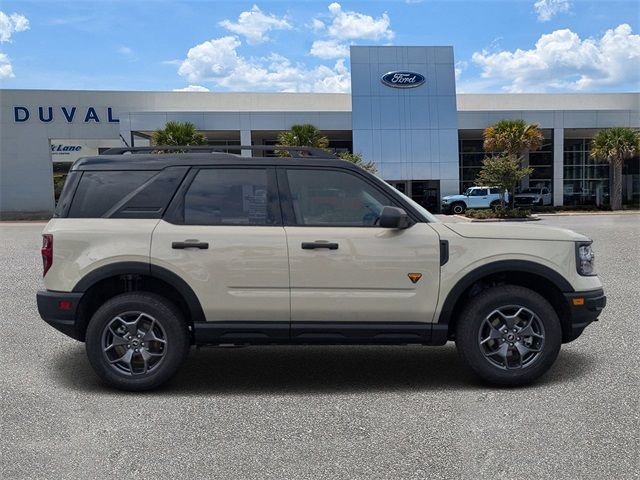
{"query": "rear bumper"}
(63, 319)
(584, 308)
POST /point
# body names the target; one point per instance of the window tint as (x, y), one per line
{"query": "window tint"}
(98, 192)
(494, 191)
(229, 197)
(326, 197)
(67, 193)
(478, 192)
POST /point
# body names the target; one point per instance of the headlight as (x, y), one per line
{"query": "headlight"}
(585, 259)
(445, 200)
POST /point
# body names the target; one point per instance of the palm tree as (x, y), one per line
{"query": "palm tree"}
(356, 158)
(615, 145)
(304, 135)
(515, 139)
(178, 133)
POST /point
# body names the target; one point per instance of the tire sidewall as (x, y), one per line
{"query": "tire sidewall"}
(471, 320)
(458, 206)
(171, 321)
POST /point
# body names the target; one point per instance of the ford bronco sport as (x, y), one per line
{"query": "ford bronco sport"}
(149, 254)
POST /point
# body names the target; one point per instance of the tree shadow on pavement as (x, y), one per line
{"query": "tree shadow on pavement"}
(315, 370)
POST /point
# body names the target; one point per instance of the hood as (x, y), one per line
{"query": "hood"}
(515, 231)
(454, 197)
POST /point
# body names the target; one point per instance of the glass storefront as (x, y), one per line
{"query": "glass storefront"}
(472, 153)
(586, 180)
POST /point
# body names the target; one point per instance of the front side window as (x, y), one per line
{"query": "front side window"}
(221, 196)
(330, 197)
(477, 192)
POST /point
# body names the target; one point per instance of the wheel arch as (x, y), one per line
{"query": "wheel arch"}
(107, 281)
(537, 277)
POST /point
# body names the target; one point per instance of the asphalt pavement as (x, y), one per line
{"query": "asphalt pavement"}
(323, 412)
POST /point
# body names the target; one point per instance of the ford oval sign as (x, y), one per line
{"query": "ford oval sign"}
(402, 79)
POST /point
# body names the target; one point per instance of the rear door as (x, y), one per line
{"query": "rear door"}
(224, 237)
(346, 271)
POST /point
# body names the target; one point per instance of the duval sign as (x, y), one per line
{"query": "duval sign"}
(402, 79)
(68, 114)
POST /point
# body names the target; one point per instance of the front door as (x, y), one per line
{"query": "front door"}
(343, 267)
(226, 240)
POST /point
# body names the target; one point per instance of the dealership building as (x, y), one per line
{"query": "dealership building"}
(403, 113)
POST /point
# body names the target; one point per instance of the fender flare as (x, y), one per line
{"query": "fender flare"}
(149, 270)
(501, 266)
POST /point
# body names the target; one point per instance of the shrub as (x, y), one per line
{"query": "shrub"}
(498, 213)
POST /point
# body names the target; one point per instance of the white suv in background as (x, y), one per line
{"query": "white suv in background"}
(535, 196)
(474, 197)
(149, 254)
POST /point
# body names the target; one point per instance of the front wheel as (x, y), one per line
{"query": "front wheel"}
(508, 335)
(137, 341)
(458, 208)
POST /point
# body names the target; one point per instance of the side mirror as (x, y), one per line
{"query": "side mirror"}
(394, 217)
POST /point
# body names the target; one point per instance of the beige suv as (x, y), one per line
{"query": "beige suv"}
(149, 254)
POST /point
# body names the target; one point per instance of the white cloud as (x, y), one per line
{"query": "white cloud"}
(460, 67)
(254, 24)
(329, 49)
(347, 25)
(126, 51)
(192, 88)
(6, 70)
(218, 61)
(10, 24)
(547, 9)
(562, 61)
(317, 25)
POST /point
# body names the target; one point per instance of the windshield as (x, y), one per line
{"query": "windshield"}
(530, 190)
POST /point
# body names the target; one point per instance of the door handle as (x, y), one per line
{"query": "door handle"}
(190, 244)
(319, 244)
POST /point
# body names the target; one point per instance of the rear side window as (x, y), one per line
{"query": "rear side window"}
(68, 189)
(99, 192)
(221, 196)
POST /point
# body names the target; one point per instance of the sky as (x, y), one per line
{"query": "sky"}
(510, 46)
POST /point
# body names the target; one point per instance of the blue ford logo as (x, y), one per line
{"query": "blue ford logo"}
(402, 79)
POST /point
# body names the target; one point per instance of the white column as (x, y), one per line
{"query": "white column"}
(245, 139)
(558, 166)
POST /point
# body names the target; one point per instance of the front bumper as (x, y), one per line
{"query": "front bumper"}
(59, 310)
(584, 308)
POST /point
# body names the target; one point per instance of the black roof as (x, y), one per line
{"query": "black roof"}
(142, 158)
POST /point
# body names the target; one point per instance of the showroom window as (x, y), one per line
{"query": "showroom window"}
(586, 181)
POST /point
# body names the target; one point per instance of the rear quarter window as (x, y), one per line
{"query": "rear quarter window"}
(99, 191)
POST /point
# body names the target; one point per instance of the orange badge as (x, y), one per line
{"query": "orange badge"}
(414, 277)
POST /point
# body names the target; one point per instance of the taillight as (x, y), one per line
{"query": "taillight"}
(47, 252)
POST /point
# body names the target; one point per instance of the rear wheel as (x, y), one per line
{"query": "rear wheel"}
(458, 208)
(137, 341)
(495, 205)
(508, 335)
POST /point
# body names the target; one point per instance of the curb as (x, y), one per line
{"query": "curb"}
(486, 220)
(576, 214)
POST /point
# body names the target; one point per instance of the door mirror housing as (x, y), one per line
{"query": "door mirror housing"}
(394, 217)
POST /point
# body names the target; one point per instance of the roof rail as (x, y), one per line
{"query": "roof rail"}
(295, 152)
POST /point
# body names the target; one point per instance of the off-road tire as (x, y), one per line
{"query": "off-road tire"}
(175, 350)
(458, 208)
(472, 319)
